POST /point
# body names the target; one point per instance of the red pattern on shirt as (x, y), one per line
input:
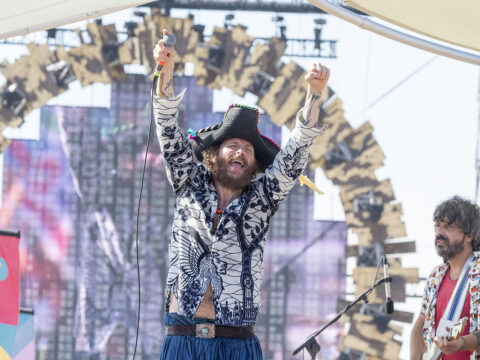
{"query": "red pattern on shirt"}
(444, 293)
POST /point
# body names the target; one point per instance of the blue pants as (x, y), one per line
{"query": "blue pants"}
(191, 348)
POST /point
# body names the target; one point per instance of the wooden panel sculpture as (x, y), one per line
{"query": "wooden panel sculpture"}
(260, 72)
(286, 95)
(235, 48)
(31, 76)
(209, 58)
(376, 342)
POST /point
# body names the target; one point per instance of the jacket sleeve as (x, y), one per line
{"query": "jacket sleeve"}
(425, 297)
(177, 152)
(289, 163)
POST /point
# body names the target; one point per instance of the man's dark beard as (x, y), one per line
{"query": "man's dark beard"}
(221, 174)
(449, 251)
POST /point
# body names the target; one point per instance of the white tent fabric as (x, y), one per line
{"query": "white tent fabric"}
(20, 17)
(455, 22)
(366, 23)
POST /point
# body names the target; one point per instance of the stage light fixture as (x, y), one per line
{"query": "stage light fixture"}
(215, 58)
(199, 29)
(281, 27)
(367, 207)
(283, 30)
(228, 21)
(318, 31)
(369, 255)
(261, 83)
(130, 26)
(110, 54)
(51, 33)
(61, 73)
(140, 14)
(14, 99)
(339, 154)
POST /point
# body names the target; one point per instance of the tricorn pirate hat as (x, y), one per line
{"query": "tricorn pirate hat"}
(240, 121)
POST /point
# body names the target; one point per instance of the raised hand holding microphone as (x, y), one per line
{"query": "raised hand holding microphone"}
(164, 55)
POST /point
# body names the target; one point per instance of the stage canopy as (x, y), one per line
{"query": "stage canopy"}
(450, 21)
(20, 17)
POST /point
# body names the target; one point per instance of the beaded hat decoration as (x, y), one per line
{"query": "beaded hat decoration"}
(239, 121)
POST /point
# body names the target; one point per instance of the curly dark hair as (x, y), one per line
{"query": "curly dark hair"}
(463, 213)
(209, 155)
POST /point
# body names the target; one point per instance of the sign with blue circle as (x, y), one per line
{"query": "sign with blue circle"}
(3, 269)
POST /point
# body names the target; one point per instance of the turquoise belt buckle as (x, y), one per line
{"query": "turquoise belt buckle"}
(205, 331)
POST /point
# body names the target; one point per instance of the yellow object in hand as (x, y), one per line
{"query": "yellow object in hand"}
(306, 181)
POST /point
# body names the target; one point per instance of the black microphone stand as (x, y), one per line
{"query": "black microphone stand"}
(311, 345)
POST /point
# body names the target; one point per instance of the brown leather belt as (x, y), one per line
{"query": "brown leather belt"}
(208, 331)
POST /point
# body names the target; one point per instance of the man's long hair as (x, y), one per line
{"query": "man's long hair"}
(463, 213)
(209, 155)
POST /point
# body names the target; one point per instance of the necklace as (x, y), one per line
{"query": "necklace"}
(216, 219)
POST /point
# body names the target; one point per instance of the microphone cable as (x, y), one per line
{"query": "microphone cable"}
(378, 270)
(138, 211)
(169, 40)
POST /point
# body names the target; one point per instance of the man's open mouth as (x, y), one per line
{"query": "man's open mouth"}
(237, 162)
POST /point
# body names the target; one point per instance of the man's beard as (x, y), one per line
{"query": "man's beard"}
(449, 251)
(221, 173)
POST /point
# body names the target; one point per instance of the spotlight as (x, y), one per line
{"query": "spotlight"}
(318, 37)
(110, 54)
(199, 29)
(139, 14)
(51, 33)
(215, 58)
(320, 21)
(130, 26)
(283, 29)
(318, 31)
(369, 255)
(368, 207)
(61, 73)
(14, 99)
(339, 154)
(228, 21)
(261, 83)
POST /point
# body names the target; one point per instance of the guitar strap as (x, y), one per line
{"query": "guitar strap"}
(457, 300)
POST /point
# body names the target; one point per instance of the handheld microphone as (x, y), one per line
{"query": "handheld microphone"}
(168, 40)
(388, 307)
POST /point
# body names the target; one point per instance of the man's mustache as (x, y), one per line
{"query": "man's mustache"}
(238, 158)
(441, 237)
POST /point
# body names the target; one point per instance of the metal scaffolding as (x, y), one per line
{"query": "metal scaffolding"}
(296, 47)
(280, 6)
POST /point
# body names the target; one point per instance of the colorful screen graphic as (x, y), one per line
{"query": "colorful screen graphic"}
(9, 291)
